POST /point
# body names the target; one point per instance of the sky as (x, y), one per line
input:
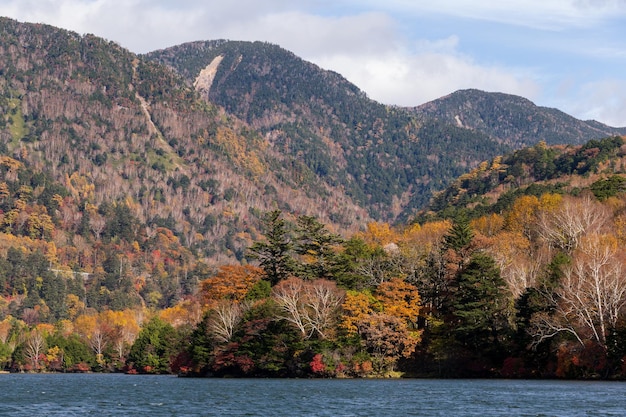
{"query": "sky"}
(568, 54)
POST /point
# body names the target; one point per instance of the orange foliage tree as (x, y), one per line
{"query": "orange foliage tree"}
(232, 282)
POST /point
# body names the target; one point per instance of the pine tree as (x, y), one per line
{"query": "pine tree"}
(481, 305)
(275, 254)
(460, 235)
(316, 246)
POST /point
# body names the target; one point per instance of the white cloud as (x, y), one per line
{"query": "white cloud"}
(539, 14)
(599, 100)
(410, 80)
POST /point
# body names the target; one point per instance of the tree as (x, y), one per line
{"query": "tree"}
(95, 332)
(153, 348)
(564, 227)
(480, 306)
(317, 249)
(460, 234)
(34, 348)
(360, 265)
(356, 307)
(387, 339)
(224, 318)
(399, 299)
(522, 216)
(275, 254)
(591, 296)
(232, 282)
(310, 306)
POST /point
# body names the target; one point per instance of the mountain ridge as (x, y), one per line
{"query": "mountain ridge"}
(492, 114)
(291, 101)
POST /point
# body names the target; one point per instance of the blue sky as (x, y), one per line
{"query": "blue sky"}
(569, 54)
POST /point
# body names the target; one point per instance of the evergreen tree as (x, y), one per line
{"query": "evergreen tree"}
(153, 348)
(316, 246)
(201, 347)
(275, 254)
(460, 235)
(481, 306)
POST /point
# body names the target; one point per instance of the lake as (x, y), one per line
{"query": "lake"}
(121, 395)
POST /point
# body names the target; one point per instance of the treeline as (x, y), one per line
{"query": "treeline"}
(536, 291)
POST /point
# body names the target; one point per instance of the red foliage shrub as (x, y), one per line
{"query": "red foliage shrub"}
(317, 364)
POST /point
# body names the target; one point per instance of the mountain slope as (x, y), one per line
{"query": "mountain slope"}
(380, 155)
(387, 159)
(597, 165)
(512, 119)
(86, 110)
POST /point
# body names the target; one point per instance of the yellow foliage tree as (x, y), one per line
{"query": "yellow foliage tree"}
(356, 307)
(399, 299)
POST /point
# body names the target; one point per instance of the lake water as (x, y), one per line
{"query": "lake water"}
(121, 395)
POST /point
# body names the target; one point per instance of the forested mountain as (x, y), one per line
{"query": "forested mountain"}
(494, 185)
(213, 216)
(381, 156)
(513, 120)
(86, 111)
(388, 159)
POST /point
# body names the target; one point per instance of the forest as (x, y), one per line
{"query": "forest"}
(534, 288)
(276, 225)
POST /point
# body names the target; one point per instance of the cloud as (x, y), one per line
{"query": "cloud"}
(603, 100)
(538, 14)
(405, 79)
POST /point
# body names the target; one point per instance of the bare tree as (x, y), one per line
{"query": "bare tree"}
(289, 294)
(97, 224)
(564, 227)
(34, 347)
(98, 342)
(311, 306)
(591, 295)
(322, 301)
(225, 318)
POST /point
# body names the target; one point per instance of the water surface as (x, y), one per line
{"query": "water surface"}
(125, 395)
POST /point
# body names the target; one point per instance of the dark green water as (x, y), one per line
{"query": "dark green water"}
(123, 395)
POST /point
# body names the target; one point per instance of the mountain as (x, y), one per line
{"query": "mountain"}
(381, 156)
(512, 119)
(91, 114)
(387, 159)
(204, 137)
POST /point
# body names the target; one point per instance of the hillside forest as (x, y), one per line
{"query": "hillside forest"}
(515, 270)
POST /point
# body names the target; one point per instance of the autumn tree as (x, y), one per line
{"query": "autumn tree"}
(356, 307)
(399, 299)
(310, 306)
(522, 217)
(96, 332)
(564, 227)
(232, 282)
(387, 339)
